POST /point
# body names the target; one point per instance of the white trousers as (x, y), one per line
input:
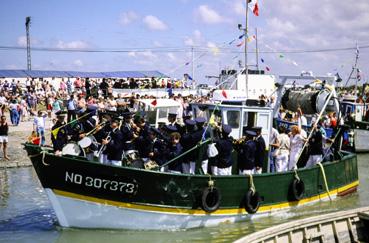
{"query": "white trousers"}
(293, 159)
(281, 162)
(313, 160)
(246, 172)
(115, 162)
(189, 168)
(224, 171)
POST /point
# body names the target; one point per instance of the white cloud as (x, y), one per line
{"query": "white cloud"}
(171, 56)
(131, 54)
(148, 54)
(71, 45)
(189, 41)
(22, 41)
(239, 7)
(157, 44)
(209, 15)
(78, 63)
(11, 66)
(127, 17)
(154, 23)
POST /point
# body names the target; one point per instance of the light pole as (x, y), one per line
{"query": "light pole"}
(245, 30)
(28, 22)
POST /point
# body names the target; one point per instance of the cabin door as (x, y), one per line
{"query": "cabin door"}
(233, 118)
(264, 120)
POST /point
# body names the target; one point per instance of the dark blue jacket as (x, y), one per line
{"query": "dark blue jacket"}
(224, 157)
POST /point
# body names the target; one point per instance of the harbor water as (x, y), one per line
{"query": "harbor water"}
(26, 215)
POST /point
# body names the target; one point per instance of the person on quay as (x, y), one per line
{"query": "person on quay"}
(59, 134)
(39, 126)
(260, 150)
(315, 147)
(283, 150)
(247, 151)
(72, 108)
(4, 129)
(187, 141)
(114, 145)
(297, 141)
(224, 146)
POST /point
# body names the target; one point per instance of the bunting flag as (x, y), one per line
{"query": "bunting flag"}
(250, 39)
(215, 50)
(267, 68)
(198, 66)
(281, 56)
(240, 44)
(187, 63)
(154, 102)
(294, 63)
(224, 94)
(262, 60)
(241, 36)
(254, 36)
(235, 57)
(231, 42)
(55, 132)
(256, 9)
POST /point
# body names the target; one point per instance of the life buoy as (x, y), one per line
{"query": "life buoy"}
(297, 189)
(210, 199)
(252, 201)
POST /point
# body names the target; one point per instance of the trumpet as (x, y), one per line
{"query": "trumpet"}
(103, 146)
(96, 128)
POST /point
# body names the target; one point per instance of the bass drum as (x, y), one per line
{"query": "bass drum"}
(85, 142)
(71, 149)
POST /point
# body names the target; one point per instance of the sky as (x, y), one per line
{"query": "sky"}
(111, 35)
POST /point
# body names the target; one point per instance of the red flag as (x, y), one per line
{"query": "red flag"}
(238, 45)
(256, 9)
(267, 68)
(224, 93)
(154, 102)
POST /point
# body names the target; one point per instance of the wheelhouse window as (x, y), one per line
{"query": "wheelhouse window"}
(249, 119)
(233, 119)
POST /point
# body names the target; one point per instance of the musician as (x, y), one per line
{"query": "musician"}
(187, 141)
(159, 147)
(260, 150)
(144, 145)
(247, 152)
(224, 146)
(113, 143)
(199, 135)
(175, 149)
(172, 119)
(128, 131)
(59, 138)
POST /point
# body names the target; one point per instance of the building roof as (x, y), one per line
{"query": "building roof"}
(66, 74)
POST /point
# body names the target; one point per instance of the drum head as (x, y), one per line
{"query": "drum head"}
(85, 142)
(71, 149)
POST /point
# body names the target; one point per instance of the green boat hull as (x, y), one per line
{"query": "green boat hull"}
(174, 201)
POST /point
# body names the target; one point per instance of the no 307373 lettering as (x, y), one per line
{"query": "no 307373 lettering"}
(98, 183)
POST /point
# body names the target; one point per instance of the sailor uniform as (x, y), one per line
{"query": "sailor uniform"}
(61, 137)
(174, 151)
(114, 148)
(246, 157)
(315, 149)
(260, 153)
(128, 135)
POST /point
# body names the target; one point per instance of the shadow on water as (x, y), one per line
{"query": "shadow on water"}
(26, 215)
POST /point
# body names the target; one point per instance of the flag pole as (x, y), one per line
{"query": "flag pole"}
(246, 36)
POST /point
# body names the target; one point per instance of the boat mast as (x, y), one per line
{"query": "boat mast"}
(246, 37)
(257, 49)
(354, 68)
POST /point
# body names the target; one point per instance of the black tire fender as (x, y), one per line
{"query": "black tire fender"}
(297, 189)
(252, 201)
(210, 199)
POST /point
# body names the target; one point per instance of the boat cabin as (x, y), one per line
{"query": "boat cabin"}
(157, 110)
(350, 106)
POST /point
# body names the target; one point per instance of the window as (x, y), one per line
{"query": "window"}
(233, 119)
(249, 119)
(263, 121)
(163, 113)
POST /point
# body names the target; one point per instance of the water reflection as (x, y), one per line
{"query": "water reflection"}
(26, 215)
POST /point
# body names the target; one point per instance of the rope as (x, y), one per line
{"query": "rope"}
(181, 155)
(325, 180)
(210, 182)
(296, 175)
(43, 153)
(252, 186)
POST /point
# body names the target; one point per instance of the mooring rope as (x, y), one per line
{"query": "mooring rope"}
(43, 153)
(325, 180)
(252, 186)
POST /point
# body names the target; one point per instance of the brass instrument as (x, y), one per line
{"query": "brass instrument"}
(103, 147)
(96, 127)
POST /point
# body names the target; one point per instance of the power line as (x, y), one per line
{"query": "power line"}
(176, 49)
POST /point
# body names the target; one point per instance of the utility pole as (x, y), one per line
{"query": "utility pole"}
(28, 22)
(193, 64)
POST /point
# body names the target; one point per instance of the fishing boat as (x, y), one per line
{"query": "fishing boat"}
(87, 194)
